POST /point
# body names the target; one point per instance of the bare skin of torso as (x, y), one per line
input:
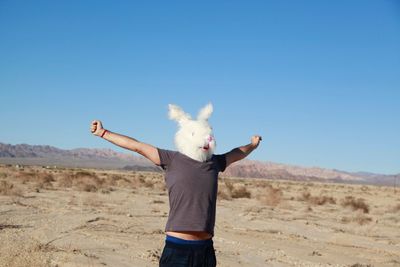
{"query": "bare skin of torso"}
(190, 235)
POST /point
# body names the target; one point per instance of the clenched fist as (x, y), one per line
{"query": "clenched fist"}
(255, 140)
(96, 128)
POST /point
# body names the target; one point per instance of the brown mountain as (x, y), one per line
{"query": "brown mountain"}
(80, 157)
(250, 168)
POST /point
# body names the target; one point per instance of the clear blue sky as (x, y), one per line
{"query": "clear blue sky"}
(319, 80)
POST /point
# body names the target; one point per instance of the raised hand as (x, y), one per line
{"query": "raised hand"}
(96, 128)
(255, 140)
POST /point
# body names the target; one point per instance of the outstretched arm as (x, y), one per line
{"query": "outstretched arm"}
(242, 152)
(126, 142)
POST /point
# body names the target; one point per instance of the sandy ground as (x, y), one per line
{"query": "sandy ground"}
(109, 218)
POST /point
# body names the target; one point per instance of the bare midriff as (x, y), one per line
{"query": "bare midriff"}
(190, 235)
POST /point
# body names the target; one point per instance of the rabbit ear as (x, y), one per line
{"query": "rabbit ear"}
(205, 112)
(177, 114)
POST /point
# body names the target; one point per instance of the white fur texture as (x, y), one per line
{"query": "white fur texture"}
(194, 138)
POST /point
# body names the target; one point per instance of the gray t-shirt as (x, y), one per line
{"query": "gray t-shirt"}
(192, 188)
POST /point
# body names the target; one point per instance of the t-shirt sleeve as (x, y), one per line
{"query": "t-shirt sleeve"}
(221, 162)
(166, 157)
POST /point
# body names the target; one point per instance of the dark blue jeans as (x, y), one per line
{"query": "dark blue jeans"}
(188, 255)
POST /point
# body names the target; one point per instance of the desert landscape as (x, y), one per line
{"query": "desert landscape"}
(89, 217)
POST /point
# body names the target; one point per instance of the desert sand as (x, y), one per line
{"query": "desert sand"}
(87, 217)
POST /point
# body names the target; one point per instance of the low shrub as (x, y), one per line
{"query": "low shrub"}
(355, 204)
(271, 196)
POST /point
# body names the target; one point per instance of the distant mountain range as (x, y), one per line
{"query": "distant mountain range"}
(80, 157)
(24, 154)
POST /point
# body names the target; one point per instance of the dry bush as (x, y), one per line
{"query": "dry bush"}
(66, 180)
(224, 193)
(41, 179)
(360, 265)
(9, 189)
(147, 182)
(230, 190)
(88, 183)
(87, 187)
(362, 219)
(322, 200)
(229, 185)
(261, 184)
(3, 175)
(85, 173)
(44, 180)
(25, 177)
(110, 180)
(106, 190)
(82, 180)
(355, 204)
(160, 186)
(316, 200)
(271, 196)
(118, 180)
(254, 209)
(240, 191)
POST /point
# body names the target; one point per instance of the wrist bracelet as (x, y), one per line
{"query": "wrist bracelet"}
(103, 133)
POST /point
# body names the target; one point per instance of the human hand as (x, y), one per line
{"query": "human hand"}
(255, 140)
(97, 128)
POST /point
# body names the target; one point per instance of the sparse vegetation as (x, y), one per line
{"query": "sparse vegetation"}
(240, 191)
(44, 180)
(361, 219)
(231, 190)
(25, 177)
(355, 204)
(229, 185)
(224, 193)
(270, 196)
(264, 208)
(9, 189)
(316, 200)
(360, 265)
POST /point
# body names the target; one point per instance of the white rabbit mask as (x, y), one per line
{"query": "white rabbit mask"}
(194, 138)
